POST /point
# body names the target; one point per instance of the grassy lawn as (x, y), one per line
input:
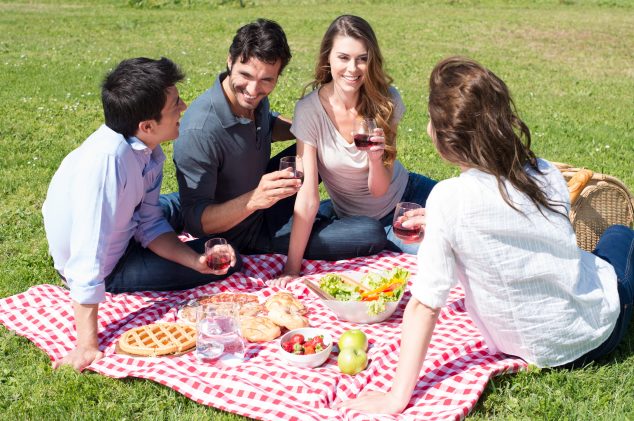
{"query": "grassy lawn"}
(569, 64)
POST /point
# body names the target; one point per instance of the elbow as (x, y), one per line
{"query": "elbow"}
(378, 192)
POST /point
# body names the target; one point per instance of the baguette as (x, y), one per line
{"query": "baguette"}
(577, 182)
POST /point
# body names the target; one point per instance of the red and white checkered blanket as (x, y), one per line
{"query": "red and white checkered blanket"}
(455, 373)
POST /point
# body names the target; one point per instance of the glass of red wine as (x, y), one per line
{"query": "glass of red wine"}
(218, 254)
(410, 234)
(294, 164)
(362, 132)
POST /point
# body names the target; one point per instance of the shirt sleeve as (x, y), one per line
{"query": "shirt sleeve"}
(304, 125)
(197, 176)
(436, 260)
(95, 218)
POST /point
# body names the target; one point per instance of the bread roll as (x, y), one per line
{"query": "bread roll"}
(577, 182)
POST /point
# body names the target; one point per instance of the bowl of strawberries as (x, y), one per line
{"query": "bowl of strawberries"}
(306, 347)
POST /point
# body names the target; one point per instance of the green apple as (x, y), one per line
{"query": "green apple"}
(353, 338)
(352, 361)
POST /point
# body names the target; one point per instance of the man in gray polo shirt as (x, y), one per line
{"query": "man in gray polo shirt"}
(227, 182)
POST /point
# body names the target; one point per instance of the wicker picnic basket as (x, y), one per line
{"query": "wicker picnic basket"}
(602, 202)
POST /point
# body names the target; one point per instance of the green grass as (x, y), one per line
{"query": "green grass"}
(568, 63)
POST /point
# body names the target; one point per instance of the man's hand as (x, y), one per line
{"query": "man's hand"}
(202, 267)
(273, 187)
(79, 358)
(373, 402)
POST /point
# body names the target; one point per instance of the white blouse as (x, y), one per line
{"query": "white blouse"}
(528, 287)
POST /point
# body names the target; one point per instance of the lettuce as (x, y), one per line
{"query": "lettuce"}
(343, 291)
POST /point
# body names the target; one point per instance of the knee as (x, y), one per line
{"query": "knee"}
(374, 234)
(618, 231)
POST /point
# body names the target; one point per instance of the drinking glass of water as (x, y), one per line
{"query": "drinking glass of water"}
(218, 332)
(409, 234)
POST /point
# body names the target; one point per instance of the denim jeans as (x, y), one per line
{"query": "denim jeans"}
(616, 246)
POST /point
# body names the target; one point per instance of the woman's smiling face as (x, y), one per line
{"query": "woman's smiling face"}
(348, 63)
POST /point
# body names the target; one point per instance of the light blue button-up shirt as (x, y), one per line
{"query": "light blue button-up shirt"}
(104, 193)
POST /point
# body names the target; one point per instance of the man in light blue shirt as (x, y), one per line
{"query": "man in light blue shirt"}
(102, 216)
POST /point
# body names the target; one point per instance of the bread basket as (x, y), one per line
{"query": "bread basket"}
(602, 202)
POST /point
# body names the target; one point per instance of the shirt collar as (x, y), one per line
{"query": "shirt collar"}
(223, 110)
(146, 156)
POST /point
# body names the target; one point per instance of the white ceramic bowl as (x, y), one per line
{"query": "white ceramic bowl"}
(357, 311)
(310, 360)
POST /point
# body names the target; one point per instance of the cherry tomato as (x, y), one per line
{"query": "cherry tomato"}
(309, 349)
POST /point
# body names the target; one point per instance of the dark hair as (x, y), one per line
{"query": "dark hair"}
(475, 123)
(264, 40)
(374, 99)
(135, 91)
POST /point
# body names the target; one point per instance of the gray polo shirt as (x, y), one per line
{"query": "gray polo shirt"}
(218, 157)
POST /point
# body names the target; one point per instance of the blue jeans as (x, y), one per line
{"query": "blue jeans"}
(616, 246)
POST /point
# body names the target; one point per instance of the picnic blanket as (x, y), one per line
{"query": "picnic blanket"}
(456, 371)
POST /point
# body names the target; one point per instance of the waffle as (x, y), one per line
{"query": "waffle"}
(158, 339)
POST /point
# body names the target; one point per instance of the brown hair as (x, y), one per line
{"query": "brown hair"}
(475, 123)
(374, 98)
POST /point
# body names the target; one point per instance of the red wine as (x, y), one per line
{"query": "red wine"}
(300, 175)
(362, 140)
(218, 262)
(407, 234)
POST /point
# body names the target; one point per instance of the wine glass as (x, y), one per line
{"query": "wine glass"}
(411, 234)
(218, 254)
(362, 132)
(295, 164)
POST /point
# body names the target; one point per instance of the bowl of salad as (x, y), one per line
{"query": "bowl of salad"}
(364, 297)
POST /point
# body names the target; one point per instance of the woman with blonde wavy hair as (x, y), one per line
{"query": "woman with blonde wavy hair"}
(350, 84)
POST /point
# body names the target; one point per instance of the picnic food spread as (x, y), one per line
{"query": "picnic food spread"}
(258, 322)
(158, 339)
(375, 289)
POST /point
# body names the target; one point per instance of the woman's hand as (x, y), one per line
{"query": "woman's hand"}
(412, 219)
(375, 152)
(283, 279)
(374, 402)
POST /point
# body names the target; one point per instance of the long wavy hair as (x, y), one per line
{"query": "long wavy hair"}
(374, 98)
(475, 123)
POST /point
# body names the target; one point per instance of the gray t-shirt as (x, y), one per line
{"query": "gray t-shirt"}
(344, 168)
(219, 157)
